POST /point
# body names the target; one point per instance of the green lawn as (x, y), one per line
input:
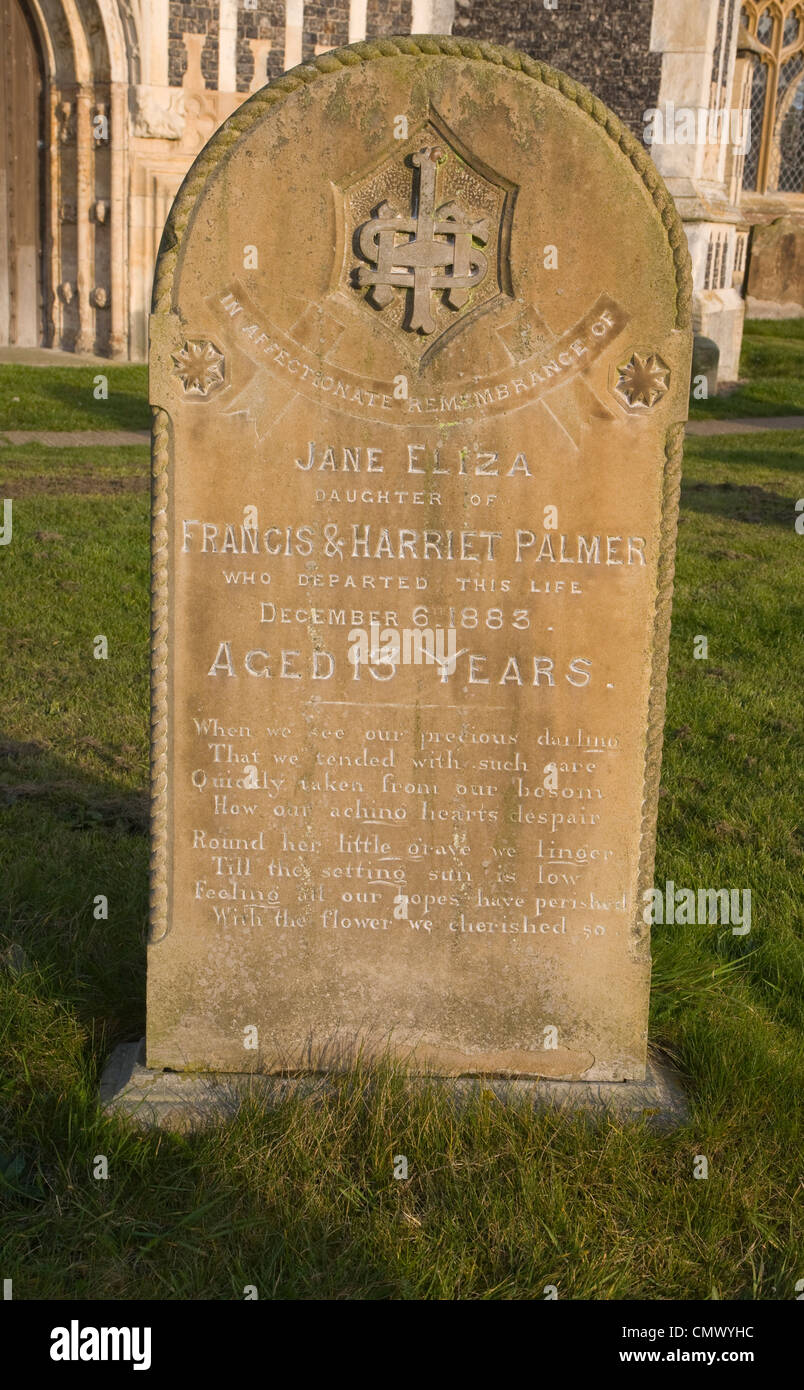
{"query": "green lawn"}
(302, 1201)
(40, 469)
(63, 398)
(771, 374)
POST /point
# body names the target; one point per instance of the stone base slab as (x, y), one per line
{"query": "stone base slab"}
(192, 1100)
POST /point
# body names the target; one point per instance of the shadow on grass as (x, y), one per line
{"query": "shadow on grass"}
(74, 885)
(62, 398)
(122, 410)
(774, 451)
(740, 502)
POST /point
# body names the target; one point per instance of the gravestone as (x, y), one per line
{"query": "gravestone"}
(775, 288)
(419, 362)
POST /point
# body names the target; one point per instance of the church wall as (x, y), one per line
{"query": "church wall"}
(168, 72)
(605, 44)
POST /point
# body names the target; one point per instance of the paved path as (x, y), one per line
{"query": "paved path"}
(54, 357)
(751, 426)
(71, 439)
(111, 439)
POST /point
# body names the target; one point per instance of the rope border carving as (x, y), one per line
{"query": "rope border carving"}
(160, 458)
(662, 613)
(417, 45)
(242, 120)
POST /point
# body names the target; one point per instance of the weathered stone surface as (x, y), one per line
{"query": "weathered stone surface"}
(420, 358)
(775, 287)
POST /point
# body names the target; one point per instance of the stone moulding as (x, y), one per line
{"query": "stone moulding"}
(240, 122)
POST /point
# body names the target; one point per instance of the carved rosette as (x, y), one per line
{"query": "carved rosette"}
(642, 381)
(199, 366)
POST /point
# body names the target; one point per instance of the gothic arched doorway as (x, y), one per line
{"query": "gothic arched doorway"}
(22, 292)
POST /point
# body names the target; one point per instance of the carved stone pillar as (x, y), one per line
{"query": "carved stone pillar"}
(85, 336)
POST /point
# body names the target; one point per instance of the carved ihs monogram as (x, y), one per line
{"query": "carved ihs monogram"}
(427, 250)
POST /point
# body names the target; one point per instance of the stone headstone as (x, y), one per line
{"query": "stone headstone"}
(705, 359)
(419, 360)
(775, 284)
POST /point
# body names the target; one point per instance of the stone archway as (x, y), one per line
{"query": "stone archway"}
(23, 286)
(88, 57)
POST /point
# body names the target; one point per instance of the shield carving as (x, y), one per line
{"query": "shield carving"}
(426, 236)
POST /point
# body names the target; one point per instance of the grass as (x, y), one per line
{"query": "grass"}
(38, 469)
(63, 398)
(301, 1201)
(771, 374)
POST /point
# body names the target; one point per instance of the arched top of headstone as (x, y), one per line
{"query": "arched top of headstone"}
(436, 48)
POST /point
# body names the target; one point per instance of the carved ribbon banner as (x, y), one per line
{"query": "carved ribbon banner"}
(294, 369)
